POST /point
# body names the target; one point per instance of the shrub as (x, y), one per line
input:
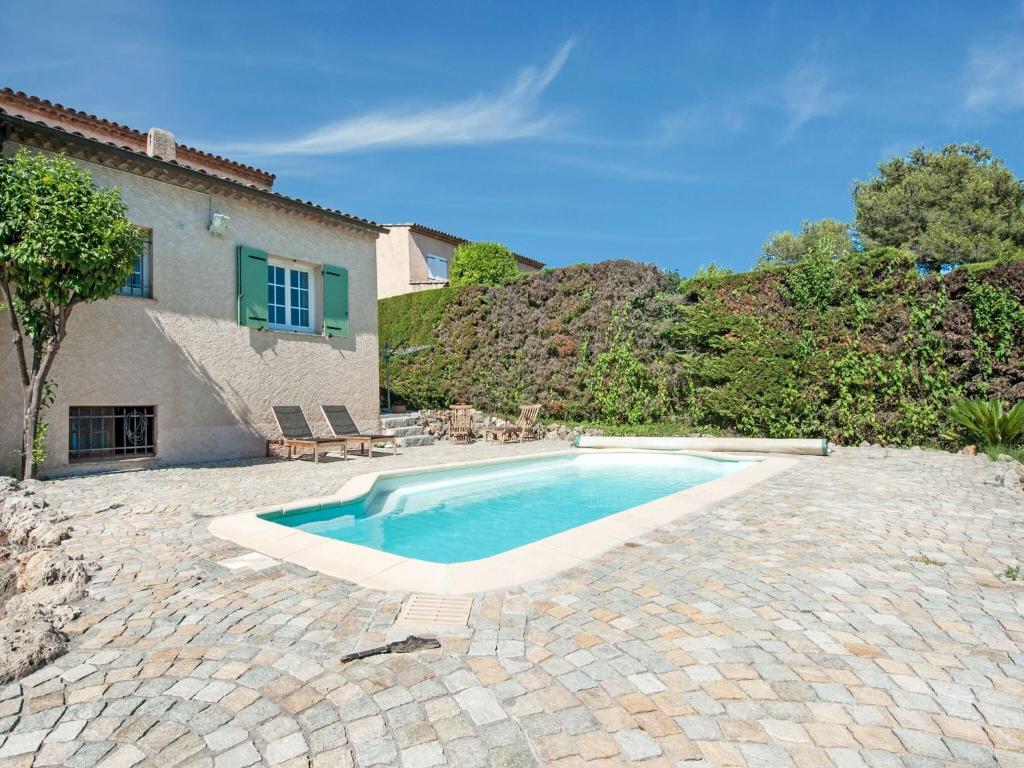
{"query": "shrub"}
(482, 264)
(987, 424)
(413, 316)
(811, 282)
(864, 348)
(623, 388)
(998, 322)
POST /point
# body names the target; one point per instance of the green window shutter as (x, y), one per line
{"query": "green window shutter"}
(252, 287)
(335, 301)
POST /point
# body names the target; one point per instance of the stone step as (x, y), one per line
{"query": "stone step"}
(391, 422)
(414, 440)
(404, 431)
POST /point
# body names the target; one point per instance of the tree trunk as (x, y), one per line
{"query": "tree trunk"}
(42, 361)
(28, 439)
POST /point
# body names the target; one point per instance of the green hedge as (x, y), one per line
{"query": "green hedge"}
(861, 348)
(410, 319)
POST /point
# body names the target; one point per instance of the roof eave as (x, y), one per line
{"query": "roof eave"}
(170, 167)
(437, 234)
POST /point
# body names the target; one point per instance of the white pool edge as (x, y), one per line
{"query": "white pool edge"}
(372, 568)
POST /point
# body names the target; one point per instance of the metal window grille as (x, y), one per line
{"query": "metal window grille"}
(139, 282)
(111, 432)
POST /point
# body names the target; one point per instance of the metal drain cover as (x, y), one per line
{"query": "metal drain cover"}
(435, 611)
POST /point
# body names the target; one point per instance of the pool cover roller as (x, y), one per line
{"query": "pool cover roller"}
(724, 444)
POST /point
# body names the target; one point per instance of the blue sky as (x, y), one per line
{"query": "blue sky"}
(676, 133)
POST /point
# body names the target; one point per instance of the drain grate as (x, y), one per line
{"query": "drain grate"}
(435, 611)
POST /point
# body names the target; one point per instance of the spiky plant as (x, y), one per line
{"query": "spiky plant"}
(987, 424)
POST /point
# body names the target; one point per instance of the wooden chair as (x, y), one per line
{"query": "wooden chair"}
(296, 434)
(343, 427)
(460, 427)
(524, 428)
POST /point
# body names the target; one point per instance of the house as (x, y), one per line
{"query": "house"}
(241, 298)
(411, 257)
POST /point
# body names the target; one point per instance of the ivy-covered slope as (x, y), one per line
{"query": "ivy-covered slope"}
(857, 349)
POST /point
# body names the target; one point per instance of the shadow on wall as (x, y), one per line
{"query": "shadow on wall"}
(246, 385)
(213, 386)
(222, 391)
(267, 341)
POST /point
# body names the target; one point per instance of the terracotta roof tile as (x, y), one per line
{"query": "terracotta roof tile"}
(10, 97)
(456, 240)
(254, 188)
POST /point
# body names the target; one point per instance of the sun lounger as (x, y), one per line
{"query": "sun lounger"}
(525, 427)
(297, 436)
(344, 428)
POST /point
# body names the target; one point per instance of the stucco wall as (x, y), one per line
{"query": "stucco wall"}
(419, 246)
(212, 381)
(393, 262)
(402, 261)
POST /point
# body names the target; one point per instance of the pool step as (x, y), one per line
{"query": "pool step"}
(406, 428)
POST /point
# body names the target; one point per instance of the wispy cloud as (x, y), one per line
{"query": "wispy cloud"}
(510, 114)
(808, 94)
(994, 77)
(700, 122)
(804, 94)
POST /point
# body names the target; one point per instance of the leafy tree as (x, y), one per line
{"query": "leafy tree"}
(482, 264)
(63, 242)
(811, 282)
(956, 206)
(789, 248)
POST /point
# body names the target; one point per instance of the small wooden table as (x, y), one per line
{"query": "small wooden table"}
(501, 434)
(316, 444)
(365, 442)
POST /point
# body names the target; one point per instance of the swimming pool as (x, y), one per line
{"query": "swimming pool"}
(703, 482)
(475, 512)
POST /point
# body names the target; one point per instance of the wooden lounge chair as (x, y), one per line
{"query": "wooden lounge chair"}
(342, 426)
(524, 428)
(460, 426)
(296, 435)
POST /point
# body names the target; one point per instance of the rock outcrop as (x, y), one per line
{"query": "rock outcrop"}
(436, 423)
(39, 581)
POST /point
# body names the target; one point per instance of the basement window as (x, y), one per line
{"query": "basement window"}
(111, 432)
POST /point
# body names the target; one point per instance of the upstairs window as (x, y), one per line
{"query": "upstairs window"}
(289, 305)
(139, 282)
(437, 267)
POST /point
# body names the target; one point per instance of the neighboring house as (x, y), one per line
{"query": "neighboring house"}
(411, 257)
(241, 298)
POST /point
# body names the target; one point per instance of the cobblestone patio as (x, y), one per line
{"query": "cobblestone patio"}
(845, 613)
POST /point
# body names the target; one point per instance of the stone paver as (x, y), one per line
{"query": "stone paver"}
(845, 613)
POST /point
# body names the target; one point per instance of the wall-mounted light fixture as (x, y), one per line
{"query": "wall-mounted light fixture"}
(218, 223)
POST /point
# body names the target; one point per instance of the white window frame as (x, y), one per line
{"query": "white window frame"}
(447, 266)
(288, 268)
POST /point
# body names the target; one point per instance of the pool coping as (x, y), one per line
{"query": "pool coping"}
(374, 569)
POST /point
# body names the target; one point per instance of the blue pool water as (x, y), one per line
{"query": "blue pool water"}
(466, 514)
